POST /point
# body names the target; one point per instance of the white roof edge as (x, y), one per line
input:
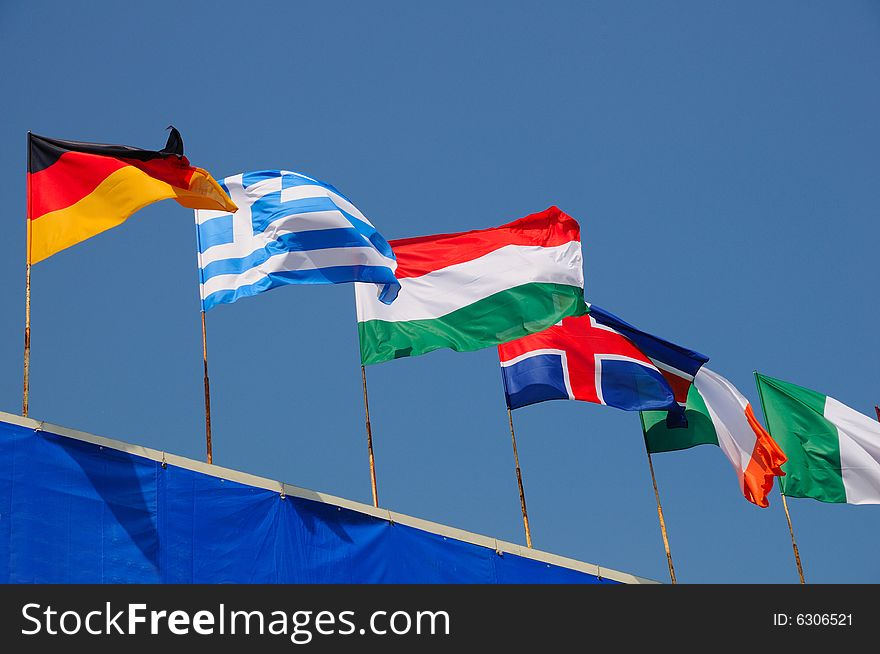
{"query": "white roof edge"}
(502, 547)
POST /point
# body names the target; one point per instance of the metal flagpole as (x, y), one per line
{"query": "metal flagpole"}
(369, 438)
(660, 515)
(797, 556)
(208, 446)
(794, 547)
(209, 450)
(27, 337)
(522, 494)
(26, 385)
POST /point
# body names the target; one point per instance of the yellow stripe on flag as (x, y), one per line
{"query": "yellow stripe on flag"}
(204, 193)
(121, 194)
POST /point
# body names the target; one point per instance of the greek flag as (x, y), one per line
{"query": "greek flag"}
(289, 229)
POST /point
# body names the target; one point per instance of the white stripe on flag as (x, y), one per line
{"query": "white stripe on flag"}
(442, 291)
(309, 191)
(859, 438)
(308, 260)
(671, 370)
(727, 409)
(289, 224)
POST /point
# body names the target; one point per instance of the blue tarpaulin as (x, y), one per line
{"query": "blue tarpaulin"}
(75, 511)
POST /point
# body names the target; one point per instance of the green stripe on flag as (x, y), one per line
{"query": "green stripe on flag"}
(498, 318)
(796, 420)
(700, 430)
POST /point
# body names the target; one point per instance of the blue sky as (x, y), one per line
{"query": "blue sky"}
(720, 157)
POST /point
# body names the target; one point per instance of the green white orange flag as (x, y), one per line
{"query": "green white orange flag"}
(718, 414)
(475, 289)
(833, 451)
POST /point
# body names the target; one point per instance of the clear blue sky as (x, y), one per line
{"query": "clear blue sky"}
(722, 159)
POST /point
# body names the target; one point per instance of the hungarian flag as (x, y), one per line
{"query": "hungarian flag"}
(475, 289)
(77, 190)
(833, 451)
(718, 414)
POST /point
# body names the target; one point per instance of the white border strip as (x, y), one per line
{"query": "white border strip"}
(501, 547)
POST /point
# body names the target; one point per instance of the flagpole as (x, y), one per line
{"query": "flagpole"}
(26, 381)
(794, 547)
(209, 449)
(660, 515)
(522, 494)
(208, 445)
(369, 438)
(797, 556)
(25, 398)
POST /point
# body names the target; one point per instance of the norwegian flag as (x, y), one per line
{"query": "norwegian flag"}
(599, 358)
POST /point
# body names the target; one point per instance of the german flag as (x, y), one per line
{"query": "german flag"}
(77, 190)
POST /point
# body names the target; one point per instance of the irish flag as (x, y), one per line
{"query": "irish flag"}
(475, 289)
(718, 414)
(833, 451)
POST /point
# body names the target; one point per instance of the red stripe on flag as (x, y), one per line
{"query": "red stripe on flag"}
(76, 174)
(67, 181)
(171, 170)
(423, 254)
